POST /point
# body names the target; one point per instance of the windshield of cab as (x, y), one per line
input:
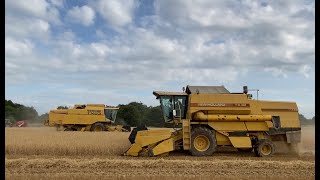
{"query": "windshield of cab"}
(170, 103)
(111, 114)
(167, 107)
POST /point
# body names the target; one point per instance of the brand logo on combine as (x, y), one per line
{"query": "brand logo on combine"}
(94, 112)
(208, 104)
(219, 105)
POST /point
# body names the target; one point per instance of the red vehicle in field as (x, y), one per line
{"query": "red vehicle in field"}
(21, 123)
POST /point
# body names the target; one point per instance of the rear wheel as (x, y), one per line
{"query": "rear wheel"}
(203, 142)
(264, 148)
(98, 127)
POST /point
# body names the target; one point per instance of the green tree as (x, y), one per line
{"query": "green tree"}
(15, 111)
(132, 114)
(26, 113)
(154, 117)
(10, 112)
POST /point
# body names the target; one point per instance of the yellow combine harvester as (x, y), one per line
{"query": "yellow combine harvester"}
(90, 117)
(211, 116)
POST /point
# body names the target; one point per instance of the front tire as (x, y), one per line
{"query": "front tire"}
(203, 142)
(98, 127)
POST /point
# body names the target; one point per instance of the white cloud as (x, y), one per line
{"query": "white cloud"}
(84, 15)
(99, 49)
(27, 27)
(17, 48)
(184, 42)
(276, 72)
(117, 12)
(58, 3)
(53, 16)
(30, 19)
(305, 70)
(71, 51)
(36, 8)
(275, 35)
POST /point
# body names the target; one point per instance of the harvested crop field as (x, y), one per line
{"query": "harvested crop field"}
(43, 153)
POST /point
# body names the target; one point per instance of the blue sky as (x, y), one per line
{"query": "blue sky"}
(60, 52)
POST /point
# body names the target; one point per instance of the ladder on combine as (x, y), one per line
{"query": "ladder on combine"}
(186, 129)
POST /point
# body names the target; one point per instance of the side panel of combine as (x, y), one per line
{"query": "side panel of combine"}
(77, 116)
(243, 123)
(288, 111)
(232, 104)
(289, 119)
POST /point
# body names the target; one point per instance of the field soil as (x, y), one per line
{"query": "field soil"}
(44, 153)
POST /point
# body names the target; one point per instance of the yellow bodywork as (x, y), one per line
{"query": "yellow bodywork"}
(89, 115)
(227, 113)
(240, 142)
(82, 117)
(154, 142)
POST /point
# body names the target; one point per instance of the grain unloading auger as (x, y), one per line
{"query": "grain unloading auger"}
(211, 116)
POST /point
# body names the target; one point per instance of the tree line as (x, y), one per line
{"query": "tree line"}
(15, 112)
(133, 114)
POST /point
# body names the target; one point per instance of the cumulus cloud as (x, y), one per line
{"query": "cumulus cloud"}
(244, 33)
(205, 35)
(117, 12)
(31, 19)
(17, 48)
(36, 8)
(58, 3)
(84, 15)
(27, 28)
(180, 42)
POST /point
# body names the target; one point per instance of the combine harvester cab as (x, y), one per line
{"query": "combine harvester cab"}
(90, 117)
(211, 116)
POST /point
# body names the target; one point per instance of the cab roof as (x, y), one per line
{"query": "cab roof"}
(207, 89)
(193, 90)
(163, 93)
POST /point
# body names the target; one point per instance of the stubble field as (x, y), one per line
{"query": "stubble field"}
(44, 153)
